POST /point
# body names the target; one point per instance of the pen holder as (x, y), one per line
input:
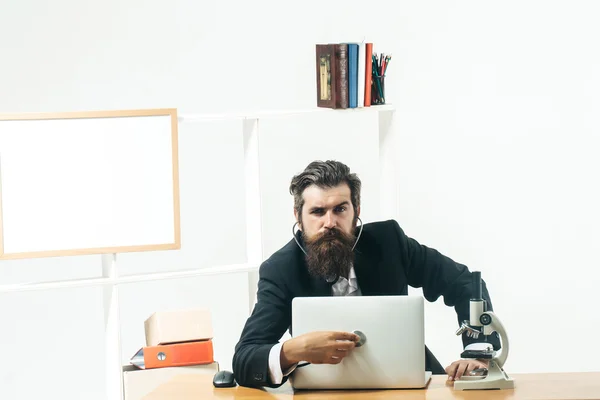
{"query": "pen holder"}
(377, 90)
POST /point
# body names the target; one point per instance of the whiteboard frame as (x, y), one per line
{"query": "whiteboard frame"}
(176, 245)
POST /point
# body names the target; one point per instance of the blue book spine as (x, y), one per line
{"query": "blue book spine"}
(352, 75)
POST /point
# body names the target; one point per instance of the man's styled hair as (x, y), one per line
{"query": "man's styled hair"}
(324, 174)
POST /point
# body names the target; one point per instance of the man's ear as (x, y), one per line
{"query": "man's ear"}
(358, 211)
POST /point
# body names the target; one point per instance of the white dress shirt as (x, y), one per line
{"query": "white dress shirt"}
(343, 287)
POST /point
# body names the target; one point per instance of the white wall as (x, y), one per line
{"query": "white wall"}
(496, 142)
(196, 56)
(494, 138)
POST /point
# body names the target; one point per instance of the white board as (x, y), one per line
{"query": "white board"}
(212, 202)
(84, 183)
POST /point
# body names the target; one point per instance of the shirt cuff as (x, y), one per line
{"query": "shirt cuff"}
(275, 372)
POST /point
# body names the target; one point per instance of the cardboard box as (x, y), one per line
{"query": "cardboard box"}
(165, 327)
(137, 383)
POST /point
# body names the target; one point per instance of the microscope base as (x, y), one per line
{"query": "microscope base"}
(495, 379)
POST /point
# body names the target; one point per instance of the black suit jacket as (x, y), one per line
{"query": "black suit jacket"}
(386, 262)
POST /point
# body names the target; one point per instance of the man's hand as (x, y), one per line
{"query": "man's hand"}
(462, 367)
(318, 348)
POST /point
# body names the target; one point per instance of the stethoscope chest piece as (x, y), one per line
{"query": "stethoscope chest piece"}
(362, 336)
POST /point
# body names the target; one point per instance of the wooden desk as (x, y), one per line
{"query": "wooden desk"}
(559, 386)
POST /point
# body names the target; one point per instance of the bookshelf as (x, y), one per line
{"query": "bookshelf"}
(256, 130)
(256, 115)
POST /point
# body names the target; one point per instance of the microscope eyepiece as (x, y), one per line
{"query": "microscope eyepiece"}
(476, 291)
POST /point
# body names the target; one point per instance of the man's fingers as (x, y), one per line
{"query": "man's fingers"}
(341, 353)
(460, 371)
(471, 365)
(451, 369)
(459, 368)
(476, 365)
(345, 336)
(344, 345)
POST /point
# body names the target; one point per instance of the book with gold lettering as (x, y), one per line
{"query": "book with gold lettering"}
(332, 75)
(326, 72)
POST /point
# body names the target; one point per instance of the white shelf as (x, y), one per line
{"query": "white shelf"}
(137, 278)
(277, 113)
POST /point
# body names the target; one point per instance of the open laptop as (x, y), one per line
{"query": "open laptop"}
(392, 356)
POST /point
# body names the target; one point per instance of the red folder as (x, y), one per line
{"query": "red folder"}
(174, 355)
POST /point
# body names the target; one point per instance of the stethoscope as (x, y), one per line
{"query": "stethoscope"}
(361, 335)
(304, 251)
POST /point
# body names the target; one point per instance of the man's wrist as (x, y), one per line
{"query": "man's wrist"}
(289, 354)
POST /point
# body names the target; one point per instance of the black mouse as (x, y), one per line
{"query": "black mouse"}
(224, 379)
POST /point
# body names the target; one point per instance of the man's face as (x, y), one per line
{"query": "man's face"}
(327, 224)
(325, 209)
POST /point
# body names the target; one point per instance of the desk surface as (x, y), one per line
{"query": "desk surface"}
(555, 386)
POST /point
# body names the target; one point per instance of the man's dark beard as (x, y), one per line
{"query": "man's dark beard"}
(329, 253)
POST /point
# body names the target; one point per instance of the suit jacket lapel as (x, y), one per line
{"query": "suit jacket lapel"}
(365, 260)
(320, 287)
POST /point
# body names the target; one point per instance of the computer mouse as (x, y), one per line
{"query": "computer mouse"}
(224, 379)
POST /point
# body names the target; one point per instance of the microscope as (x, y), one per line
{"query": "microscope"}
(484, 322)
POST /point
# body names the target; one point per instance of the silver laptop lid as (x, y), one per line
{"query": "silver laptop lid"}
(393, 355)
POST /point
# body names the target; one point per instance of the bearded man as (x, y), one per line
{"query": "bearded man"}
(332, 255)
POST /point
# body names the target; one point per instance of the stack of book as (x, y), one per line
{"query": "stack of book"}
(350, 75)
(177, 342)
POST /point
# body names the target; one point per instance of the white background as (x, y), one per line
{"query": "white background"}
(493, 145)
